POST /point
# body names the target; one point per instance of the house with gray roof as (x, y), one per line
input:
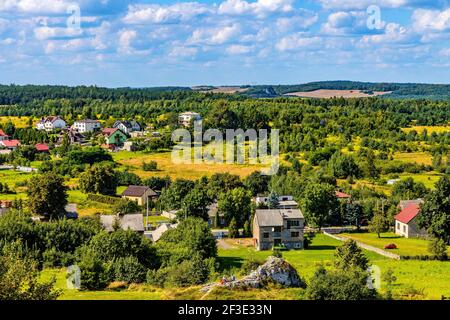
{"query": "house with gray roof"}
(133, 222)
(278, 227)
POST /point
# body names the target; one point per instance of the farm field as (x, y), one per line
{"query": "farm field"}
(415, 279)
(19, 122)
(406, 247)
(414, 157)
(134, 160)
(322, 93)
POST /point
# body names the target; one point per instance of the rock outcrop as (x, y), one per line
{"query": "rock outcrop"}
(274, 270)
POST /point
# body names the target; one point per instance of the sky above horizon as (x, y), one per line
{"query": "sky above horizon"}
(118, 43)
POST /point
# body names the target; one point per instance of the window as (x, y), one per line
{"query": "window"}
(266, 235)
(293, 223)
(404, 228)
(398, 225)
(276, 229)
(295, 234)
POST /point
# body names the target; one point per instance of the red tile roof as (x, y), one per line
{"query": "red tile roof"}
(109, 131)
(11, 143)
(2, 133)
(342, 195)
(42, 147)
(409, 213)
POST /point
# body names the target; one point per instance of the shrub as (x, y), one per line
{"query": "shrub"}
(127, 269)
(249, 265)
(150, 166)
(438, 248)
(340, 285)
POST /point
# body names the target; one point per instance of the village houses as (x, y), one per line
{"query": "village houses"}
(140, 194)
(127, 127)
(185, 119)
(85, 126)
(114, 137)
(51, 123)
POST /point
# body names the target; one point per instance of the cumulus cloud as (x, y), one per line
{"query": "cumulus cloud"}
(259, 7)
(237, 49)
(297, 41)
(214, 36)
(394, 33)
(138, 14)
(35, 7)
(431, 20)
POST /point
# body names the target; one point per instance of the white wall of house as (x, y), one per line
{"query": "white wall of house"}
(410, 230)
(86, 126)
(49, 125)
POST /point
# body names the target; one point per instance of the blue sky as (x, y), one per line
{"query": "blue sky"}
(144, 43)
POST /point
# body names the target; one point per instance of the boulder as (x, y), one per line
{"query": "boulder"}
(274, 270)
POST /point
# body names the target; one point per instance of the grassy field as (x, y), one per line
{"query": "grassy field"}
(415, 279)
(133, 161)
(414, 157)
(19, 122)
(406, 247)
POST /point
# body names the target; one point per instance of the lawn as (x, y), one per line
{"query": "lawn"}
(406, 246)
(429, 179)
(430, 278)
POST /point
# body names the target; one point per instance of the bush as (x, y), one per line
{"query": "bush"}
(127, 269)
(249, 265)
(438, 248)
(93, 272)
(150, 166)
(340, 285)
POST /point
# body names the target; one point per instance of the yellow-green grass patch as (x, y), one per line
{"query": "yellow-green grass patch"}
(430, 129)
(405, 246)
(414, 157)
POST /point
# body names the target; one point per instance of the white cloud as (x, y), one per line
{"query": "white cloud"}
(347, 23)
(297, 41)
(183, 52)
(239, 49)
(431, 20)
(35, 6)
(259, 8)
(301, 20)
(364, 4)
(214, 36)
(139, 14)
(125, 38)
(445, 52)
(394, 33)
(44, 33)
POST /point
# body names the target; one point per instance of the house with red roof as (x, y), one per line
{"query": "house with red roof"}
(114, 137)
(10, 144)
(342, 195)
(3, 135)
(406, 222)
(42, 147)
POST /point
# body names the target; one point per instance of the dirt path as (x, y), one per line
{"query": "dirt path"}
(367, 247)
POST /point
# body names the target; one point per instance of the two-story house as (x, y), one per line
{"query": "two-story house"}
(84, 126)
(185, 119)
(51, 123)
(277, 227)
(127, 127)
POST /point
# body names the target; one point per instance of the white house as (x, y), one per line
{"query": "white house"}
(406, 222)
(127, 127)
(51, 123)
(186, 118)
(84, 126)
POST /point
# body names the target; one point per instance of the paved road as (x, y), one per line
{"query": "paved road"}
(366, 247)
